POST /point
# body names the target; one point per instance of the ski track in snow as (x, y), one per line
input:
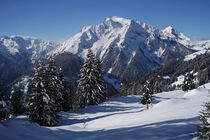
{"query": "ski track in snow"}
(173, 115)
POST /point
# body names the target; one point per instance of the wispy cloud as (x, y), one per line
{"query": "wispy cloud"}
(198, 38)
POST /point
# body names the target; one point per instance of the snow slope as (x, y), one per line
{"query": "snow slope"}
(173, 115)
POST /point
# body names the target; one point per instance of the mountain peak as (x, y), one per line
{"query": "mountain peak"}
(175, 34)
(117, 19)
(170, 30)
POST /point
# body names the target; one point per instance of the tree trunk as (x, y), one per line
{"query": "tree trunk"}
(147, 106)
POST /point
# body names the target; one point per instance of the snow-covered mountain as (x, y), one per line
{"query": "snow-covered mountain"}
(15, 47)
(129, 49)
(186, 41)
(176, 35)
(200, 46)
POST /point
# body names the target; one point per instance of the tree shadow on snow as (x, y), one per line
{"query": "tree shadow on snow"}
(108, 109)
(159, 99)
(171, 129)
(112, 107)
(127, 99)
(69, 120)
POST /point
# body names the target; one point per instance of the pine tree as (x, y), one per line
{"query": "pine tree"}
(53, 84)
(86, 92)
(16, 105)
(4, 109)
(188, 82)
(42, 109)
(100, 86)
(204, 132)
(146, 98)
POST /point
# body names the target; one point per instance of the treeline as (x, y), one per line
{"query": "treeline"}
(49, 93)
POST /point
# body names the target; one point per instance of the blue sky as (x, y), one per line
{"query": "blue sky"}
(54, 19)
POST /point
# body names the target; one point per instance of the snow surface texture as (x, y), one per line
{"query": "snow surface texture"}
(173, 115)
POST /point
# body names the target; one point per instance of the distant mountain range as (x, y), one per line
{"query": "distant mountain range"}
(128, 49)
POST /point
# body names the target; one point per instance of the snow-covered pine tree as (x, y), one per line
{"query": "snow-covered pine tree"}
(147, 97)
(188, 83)
(204, 131)
(86, 92)
(41, 107)
(42, 110)
(4, 109)
(53, 84)
(16, 105)
(185, 83)
(100, 85)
